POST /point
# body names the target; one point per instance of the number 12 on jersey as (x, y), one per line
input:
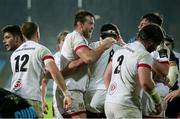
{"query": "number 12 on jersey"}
(20, 62)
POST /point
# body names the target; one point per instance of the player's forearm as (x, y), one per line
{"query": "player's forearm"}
(107, 75)
(172, 74)
(92, 55)
(155, 96)
(57, 76)
(62, 85)
(66, 71)
(72, 67)
(156, 99)
(95, 54)
(75, 63)
(43, 90)
(149, 87)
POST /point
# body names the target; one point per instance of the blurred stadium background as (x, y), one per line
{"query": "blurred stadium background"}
(54, 16)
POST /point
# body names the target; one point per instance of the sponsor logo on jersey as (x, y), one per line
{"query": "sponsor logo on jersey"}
(26, 113)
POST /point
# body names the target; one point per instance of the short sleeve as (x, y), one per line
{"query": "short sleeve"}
(79, 42)
(145, 60)
(44, 54)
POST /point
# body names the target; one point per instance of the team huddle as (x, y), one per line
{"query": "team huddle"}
(104, 79)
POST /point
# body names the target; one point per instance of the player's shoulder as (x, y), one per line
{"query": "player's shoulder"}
(72, 35)
(71, 38)
(30, 44)
(38, 46)
(140, 52)
(116, 46)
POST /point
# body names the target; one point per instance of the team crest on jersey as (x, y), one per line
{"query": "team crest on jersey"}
(113, 88)
(17, 85)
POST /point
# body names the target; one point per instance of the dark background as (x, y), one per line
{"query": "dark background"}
(54, 16)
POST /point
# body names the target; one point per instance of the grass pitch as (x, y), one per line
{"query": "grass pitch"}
(50, 113)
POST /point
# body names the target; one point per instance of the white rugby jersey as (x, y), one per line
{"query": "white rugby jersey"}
(124, 88)
(57, 59)
(73, 42)
(27, 63)
(98, 68)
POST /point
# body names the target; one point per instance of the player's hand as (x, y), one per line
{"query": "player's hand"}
(67, 102)
(169, 97)
(107, 42)
(45, 107)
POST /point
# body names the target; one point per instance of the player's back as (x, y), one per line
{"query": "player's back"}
(27, 66)
(124, 88)
(98, 68)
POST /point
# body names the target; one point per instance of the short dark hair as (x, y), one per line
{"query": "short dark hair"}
(28, 29)
(81, 16)
(109, 29)
(154, 18)
(152, 32)
(13, 29)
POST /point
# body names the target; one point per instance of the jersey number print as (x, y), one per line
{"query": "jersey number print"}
(21, 60)
(118, 68)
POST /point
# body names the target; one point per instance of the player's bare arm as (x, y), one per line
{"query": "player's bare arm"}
(148, 85)
(89, 55)
(107, 75)
(57, 76)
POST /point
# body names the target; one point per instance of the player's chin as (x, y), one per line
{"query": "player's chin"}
(89, 35)
(8, 49)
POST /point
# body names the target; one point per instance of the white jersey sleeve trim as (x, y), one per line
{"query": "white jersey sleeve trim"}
(81, 46)
(144, 65)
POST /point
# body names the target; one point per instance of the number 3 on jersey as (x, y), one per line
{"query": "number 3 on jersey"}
(118, 68)
(20, 62)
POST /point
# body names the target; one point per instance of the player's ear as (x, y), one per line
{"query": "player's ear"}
(37, 35)
(79, 23)
(17, 38)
